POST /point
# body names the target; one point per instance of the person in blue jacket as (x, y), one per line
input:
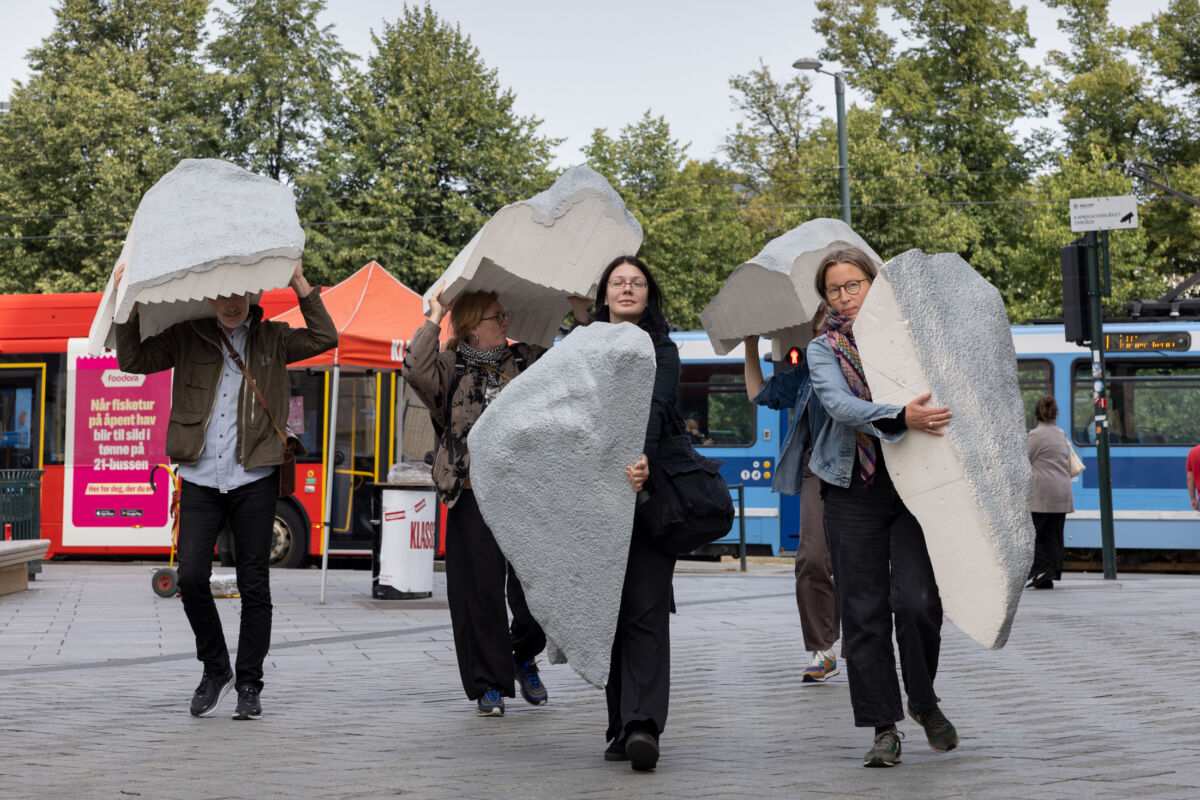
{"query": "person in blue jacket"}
(815, 597)
(881, 566)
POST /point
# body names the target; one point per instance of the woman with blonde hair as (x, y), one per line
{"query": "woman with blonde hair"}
(456, 385)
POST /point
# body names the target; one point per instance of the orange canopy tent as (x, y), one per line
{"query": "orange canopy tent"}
(375, 315)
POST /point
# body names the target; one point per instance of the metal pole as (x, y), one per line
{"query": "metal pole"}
(741, 487)
(1100, 402)
(843, 154)
(330, 460)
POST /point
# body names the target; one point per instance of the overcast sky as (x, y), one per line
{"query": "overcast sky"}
(580, 66)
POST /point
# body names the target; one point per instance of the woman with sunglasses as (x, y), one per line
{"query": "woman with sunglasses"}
(881, 568)
(639, 676)
(456, 386)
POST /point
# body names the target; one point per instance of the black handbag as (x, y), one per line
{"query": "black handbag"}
(688, 503)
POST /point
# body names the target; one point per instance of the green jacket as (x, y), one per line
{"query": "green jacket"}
(193, 349)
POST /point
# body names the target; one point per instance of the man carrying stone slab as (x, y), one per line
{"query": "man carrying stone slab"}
(228, 455)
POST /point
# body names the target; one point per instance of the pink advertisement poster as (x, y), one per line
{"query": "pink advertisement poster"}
(120, 435)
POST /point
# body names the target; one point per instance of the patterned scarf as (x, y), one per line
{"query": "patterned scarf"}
(490, 361)
(840, 331)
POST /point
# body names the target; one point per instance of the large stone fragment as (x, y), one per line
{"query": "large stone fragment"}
(537, 252)
(548, 461)
(207, 229)
(772, 295)
(931, 323)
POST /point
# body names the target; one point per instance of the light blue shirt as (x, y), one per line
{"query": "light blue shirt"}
(833, 453)
(218, 467)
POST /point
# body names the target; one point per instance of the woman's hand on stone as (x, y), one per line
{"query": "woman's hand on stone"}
(928, 419)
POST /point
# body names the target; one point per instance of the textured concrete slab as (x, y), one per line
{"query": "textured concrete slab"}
(207, 229)
(772, 295)
(931, 323)
(537, 252)
(548, 463)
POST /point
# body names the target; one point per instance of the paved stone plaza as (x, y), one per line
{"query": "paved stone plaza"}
(1096, 696)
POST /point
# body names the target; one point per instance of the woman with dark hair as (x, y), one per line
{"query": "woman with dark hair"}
(1049, 454)
(639, 677)
(456, 386)
(881, 567)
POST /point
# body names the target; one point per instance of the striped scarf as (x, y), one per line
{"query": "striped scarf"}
(840, 332)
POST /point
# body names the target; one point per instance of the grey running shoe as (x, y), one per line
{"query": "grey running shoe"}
(210, 692)
(938, 730)
(885, 752)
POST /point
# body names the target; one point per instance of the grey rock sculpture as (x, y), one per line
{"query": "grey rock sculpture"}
(548, 461)
(206, 229)
(772, 295)
(537, 252)
(931, 323)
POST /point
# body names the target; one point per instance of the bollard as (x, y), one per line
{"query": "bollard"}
(8, 532)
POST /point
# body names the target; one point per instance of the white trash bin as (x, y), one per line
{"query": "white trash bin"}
(406, 535)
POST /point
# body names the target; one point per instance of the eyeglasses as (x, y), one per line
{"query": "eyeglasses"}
(500, 318)
(636, 283)
(851, 288)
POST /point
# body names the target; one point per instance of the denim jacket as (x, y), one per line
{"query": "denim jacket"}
(793, 389)
(833, 454)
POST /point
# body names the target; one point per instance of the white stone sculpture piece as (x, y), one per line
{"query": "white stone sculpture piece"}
(931, 323)
(548, 461)
(207, 229)
(536, 253)
(772, 295)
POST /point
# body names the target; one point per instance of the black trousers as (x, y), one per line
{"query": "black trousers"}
(1048, 544)
(476, 578)
(250, 512)
(639, 675)
(881, 570)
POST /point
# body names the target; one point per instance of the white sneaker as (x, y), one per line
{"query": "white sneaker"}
(824, 665)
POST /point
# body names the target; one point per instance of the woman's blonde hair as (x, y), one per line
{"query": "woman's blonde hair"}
(465, 313)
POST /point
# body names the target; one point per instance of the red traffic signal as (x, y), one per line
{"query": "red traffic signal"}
(793, 356)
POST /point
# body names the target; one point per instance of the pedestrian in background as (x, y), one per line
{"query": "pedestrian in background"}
(815, 596)
(228, 454)
(1049, 456)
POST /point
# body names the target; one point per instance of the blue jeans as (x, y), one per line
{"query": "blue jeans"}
(250, 512)
(881, 569)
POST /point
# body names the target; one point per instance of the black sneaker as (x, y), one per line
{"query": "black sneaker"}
(532, 688)
(885, 750)
(248, 706)
(642, 749)
(210, 692)
(616, 751)
(938, 730)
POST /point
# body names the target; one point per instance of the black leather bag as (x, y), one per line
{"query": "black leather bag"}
(688, 502)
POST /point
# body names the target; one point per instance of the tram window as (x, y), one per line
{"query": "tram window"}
(305, 414)
(1150, 402)
(716, 394)
(1035, 376)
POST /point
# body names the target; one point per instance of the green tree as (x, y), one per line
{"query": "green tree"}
(279, 83)
(427, 149)
(118, 95)
(691, 212)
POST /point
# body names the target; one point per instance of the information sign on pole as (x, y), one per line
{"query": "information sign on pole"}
(1103, 213)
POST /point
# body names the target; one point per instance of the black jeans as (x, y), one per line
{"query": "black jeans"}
(639, 674)
(477, 576)
(881, 569)
(250, 511)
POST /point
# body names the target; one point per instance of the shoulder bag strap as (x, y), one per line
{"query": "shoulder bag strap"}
(242, 366)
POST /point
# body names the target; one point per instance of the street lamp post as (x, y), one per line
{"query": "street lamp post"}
(843, 156)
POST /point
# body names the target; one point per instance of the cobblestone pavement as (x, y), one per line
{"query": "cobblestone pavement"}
(1095, 696)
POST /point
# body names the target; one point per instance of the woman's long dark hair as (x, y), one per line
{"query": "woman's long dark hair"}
(653, 321)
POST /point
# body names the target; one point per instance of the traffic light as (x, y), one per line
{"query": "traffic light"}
(1077, 317)
(793, 356)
